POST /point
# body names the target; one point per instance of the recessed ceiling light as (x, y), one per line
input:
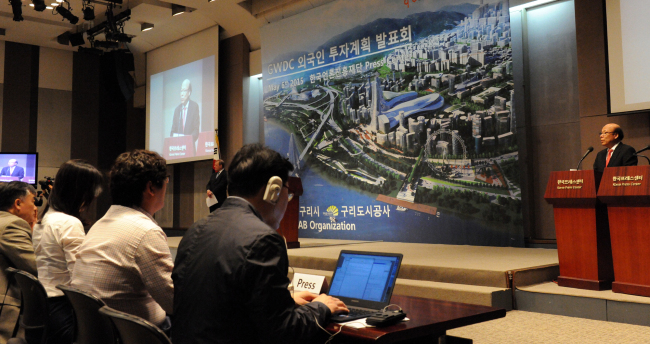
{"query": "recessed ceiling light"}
(146, 26)
(528, 5)
(49, 7)
(54, 4)
(31, 5)
(177, 9)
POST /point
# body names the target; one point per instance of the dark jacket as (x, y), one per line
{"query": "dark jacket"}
(230, 283)
(192, 122)
(218, 185)
(623, 156)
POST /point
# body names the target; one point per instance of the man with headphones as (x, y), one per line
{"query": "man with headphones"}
(230, 275)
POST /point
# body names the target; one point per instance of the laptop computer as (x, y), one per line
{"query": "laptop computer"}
(364, 281)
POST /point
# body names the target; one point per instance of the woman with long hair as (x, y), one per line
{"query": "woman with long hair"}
(57, 237)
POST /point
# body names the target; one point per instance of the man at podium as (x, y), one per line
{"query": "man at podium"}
(616, 153)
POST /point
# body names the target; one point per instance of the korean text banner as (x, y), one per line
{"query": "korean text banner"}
(398, 119)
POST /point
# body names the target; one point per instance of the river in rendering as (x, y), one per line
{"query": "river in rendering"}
(396, 226)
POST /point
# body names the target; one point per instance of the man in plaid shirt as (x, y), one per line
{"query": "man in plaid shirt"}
(124, 259)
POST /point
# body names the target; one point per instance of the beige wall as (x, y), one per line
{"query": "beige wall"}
(55, 69)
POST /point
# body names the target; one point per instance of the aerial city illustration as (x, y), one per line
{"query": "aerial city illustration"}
(416, 113)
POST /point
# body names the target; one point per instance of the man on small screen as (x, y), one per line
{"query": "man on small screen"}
(186, 115)
(13, 170)
(616, 153)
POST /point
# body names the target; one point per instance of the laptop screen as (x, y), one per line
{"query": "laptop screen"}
(365, 276)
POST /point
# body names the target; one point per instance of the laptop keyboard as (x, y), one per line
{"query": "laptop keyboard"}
(360, 311)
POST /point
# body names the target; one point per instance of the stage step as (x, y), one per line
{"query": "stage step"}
(477, 295)
(455, 264)
(602, 305)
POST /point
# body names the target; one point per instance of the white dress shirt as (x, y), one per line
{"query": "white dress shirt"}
(56, 241)
(125, 261)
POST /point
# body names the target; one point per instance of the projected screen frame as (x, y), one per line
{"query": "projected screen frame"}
(6, 156)
(616, 77)
(187, 51)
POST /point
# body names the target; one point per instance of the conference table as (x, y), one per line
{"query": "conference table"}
(429, 320)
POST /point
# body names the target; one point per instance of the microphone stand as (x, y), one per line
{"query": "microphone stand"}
(583, 157)
(643, 156)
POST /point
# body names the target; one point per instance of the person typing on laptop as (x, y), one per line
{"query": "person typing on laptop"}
(230, 275)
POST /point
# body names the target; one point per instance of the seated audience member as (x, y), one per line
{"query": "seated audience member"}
(124, 259)
(230, 274)
(17, 212)
(57, 238)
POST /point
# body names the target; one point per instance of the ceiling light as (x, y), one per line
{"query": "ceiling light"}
(89, 13)
(65, 13)
(54, 4)
(32, 5)
(49, 7)
(106, 44)
(77, 39)
(39, 5)
(529, 5)
(146, 26)
(16, 8)
(177, 9)
(119, 37)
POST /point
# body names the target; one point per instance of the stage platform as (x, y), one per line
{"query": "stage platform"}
(504, 277)
(471, 274)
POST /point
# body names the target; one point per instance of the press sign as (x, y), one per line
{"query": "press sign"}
(312, 283)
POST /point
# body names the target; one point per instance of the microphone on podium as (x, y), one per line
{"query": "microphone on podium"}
(589, 150)
(643, 150)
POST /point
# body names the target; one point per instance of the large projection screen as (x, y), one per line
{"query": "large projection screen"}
(182, 79)
(628, 27)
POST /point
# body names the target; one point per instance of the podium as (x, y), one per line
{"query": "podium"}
(289, 224)
(205, 145)
(178, 147)
(582, 231)
(626, 191)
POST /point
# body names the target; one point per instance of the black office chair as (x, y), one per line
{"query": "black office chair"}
(133, 329)
(35, 310)
(92, 327)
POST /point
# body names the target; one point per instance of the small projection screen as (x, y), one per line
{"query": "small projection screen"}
(628, 26)
(182, 97)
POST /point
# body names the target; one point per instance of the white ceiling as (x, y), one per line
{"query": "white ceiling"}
(42, 28)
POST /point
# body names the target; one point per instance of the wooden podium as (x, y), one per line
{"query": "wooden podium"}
(178, 147)
(626, 191)
(581, 229)
(289, 224)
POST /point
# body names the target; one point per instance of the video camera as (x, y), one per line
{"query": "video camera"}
(46, 185)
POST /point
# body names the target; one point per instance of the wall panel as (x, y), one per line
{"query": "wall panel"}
(54, 128)
(20, 105)
(202, 173)
(55, 69)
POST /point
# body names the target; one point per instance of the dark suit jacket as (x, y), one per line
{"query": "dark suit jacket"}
(18, 172)
(230, 284)
(218, 185)
(192, 122)
(17, 251)
(623, 156)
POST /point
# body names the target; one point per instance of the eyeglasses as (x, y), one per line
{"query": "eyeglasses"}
(290, 194)
(605, 133)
